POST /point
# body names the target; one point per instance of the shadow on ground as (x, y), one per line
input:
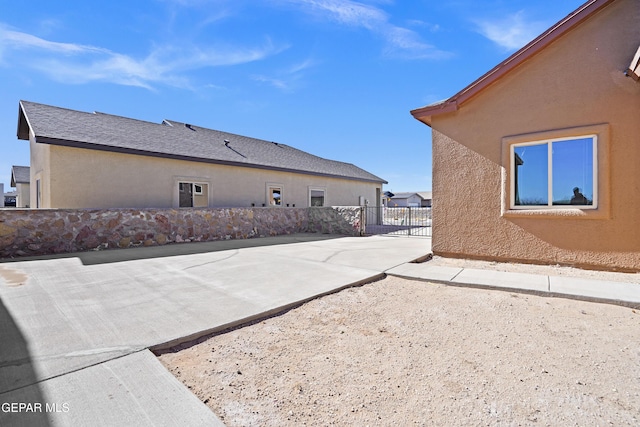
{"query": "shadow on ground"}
(21, 400)
(176, 249)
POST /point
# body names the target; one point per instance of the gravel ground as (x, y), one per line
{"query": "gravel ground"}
(401, 352)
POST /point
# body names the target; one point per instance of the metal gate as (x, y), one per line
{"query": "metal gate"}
(404, 221)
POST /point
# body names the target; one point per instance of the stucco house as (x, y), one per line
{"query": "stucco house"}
(416, 199)
(426, 197)
(20, 177)
(96, 160)
(537, 160)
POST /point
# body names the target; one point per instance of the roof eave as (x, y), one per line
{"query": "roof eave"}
(532, 48)
(23, 123)
(424, 114)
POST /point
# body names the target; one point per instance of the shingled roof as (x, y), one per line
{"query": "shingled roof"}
(20, 175)
(172, 139)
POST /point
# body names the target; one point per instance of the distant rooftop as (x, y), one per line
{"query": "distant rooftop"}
(172, 139)
(20, 175)
(425, 195)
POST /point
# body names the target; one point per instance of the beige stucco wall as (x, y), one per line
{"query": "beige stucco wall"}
(23, 195)
(576, 82)
(82, 178)
(40, 157)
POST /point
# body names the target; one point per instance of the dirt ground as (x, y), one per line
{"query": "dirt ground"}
(401, 352)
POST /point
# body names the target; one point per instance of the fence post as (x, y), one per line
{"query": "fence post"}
(363, 220)
(409, 222)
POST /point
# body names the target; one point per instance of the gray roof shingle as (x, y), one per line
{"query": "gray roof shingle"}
(60, 126)
(425, 195)
(20, 175)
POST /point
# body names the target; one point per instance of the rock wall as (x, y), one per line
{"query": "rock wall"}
(345, 220)
(25, 232)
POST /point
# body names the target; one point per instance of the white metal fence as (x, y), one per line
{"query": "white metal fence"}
(405, 221)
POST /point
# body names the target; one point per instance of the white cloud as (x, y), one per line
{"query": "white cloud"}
(297, 68)
(512, 32)
(400, 41)
(275, 82)
(17, 40)
(406, 43)
(166, 65)
(287, 79)
(346, 12)
(434, 28)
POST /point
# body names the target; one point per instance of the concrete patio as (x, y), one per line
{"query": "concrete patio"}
(77, 329)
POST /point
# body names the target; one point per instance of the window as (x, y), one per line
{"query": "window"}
(540, 171)
(316, 197)
(192, 195)
(554, 173)
(274, 195)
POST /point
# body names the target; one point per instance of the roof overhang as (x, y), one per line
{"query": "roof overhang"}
(23, 124)
(452, 104)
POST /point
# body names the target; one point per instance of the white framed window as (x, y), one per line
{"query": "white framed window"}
(191, 193)
(555, 173)
(317, 196)
(274, 194)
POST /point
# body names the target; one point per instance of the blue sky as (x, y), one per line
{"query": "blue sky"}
(336, 78)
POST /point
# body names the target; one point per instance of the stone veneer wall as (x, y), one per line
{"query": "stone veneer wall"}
(25, 232)
(345, 220)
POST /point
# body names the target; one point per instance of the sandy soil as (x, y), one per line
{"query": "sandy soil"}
(398, 353)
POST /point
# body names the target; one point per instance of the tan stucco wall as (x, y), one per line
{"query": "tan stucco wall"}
(577, 81)
(23, 195)
(40, 157)
(81, 178)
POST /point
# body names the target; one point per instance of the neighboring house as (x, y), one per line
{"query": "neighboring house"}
(426, 198)
(96, 160)
(20, 176)
(537, 160)
(409, 199)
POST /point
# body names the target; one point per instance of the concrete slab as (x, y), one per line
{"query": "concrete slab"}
(596, 289)
(74, 315)
(378, 253)
(425, 271)
(75, 328)
(78, 325)
(135, 390)
(503, 279)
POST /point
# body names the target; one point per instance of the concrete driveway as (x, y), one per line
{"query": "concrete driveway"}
(76, 329)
